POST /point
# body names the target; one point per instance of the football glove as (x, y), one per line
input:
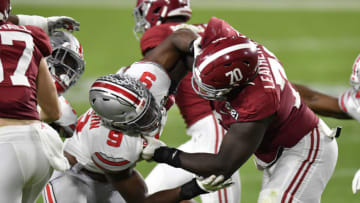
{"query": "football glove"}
(349, 102)
(213, 183)
(356, 182)
(57, 22)
(151, 145)
(51, 23)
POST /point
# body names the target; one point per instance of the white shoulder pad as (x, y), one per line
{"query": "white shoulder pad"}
(153, 76)
(115, 151)
(349, 102)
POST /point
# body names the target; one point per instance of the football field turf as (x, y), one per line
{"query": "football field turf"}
(316, 47)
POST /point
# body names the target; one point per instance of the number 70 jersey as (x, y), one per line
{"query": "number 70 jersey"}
(98, 148)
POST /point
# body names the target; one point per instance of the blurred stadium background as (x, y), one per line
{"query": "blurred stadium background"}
(316, 40)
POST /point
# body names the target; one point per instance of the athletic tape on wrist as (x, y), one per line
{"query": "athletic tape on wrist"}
(168, 155)
(190, 190)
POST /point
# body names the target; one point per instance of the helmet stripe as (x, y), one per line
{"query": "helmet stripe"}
(129, 95)
(222, 52)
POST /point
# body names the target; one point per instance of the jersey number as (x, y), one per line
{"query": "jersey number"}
(148, 78)
(114, 138)
(18, 77)
(235, 75)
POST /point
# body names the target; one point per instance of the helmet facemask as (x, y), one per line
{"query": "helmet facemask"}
(141, 24)
(66, 67)
(206, 91)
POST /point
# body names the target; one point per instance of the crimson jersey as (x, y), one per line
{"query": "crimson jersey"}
(21, 49)
(192, 106)
(270, 93)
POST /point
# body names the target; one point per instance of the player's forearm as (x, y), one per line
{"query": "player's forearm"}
(14, 19)
(321, 104)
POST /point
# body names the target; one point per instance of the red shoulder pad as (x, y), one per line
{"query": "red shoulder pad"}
(41, 40)
(217, 28)
(154, 36)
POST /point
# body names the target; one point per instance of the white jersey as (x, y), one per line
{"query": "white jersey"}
(98, 148)
(349, 102)
(152, 75)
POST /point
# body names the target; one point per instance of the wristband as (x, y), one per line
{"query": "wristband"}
(167, 155)
(190, 190)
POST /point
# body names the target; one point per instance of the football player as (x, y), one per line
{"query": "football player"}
(30, 147)
(346, 106)
(260, 109)
(66, 65)
(66, 62)
(156, 20)
(108, 142)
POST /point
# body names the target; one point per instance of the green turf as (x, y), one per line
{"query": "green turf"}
(314, 46)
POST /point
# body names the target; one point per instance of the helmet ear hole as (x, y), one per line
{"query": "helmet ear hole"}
(247, 63)
(106, 99)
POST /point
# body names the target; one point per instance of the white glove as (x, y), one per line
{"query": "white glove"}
(49, 24)
(57, 22)
(151, 145)
(356, 182)
(349, 102)
(213, 183)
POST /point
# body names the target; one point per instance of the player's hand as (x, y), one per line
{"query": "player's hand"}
(151, 145)
(57, 22)
(213, 183)
(356, 182)
(349, 102)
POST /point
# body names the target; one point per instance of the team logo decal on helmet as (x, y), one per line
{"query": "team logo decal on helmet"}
(223, 65)
(125, 104)
(149, 13)
(66, 63)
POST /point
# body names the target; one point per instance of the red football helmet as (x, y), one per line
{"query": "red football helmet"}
(154, 12)
(226, 63)
(5, 8)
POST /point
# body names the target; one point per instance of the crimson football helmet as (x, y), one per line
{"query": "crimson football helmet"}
(125, 104)
(226, 63)
(5, 9)
(149, 13)
(66, 63)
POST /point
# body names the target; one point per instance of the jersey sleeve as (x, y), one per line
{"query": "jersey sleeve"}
(349, 102)
(251, 104)
(41, 40)
(153, 76)
(114, 151)
(153, 37)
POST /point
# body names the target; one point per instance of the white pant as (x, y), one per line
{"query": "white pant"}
(302, 172)
(206, 136)
(73, 186)
(24, 168)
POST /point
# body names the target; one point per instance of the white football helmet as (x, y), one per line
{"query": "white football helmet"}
(125, 104)
(355, 75)
(66, 63)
